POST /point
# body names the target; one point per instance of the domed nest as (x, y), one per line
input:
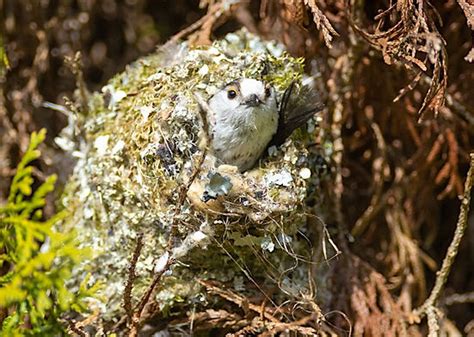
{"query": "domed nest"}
(142, 169)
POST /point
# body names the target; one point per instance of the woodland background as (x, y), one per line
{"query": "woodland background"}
(399, 90)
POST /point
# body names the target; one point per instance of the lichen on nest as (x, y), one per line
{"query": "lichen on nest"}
(141, 142)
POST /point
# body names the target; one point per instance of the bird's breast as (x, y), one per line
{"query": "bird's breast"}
(240, 139)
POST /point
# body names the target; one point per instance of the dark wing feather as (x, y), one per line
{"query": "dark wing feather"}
(297, 106)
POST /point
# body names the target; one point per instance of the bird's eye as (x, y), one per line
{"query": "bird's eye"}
(268, 92)
(231, 94)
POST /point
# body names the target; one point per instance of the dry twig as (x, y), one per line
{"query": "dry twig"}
(75, 65)
(429, 306)
(202, 29)
(459, 298)
(239, 300)
(137, 316)
(127, 296)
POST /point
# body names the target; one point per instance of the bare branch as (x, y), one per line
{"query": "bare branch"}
(127, 296)
(442, 275)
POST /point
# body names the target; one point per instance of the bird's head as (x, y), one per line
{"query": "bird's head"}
(244, 94)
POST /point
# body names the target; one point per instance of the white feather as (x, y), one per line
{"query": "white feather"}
(241, 132)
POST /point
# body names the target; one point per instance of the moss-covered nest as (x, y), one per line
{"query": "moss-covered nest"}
(141, 141)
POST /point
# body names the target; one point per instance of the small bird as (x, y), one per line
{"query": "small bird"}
(244, 118)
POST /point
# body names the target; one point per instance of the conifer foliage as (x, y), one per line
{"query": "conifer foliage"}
(35, 258)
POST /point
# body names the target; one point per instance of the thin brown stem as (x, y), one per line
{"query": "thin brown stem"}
(127, 296)
(442, 276)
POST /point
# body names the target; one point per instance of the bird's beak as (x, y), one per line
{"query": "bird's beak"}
(253, 101)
